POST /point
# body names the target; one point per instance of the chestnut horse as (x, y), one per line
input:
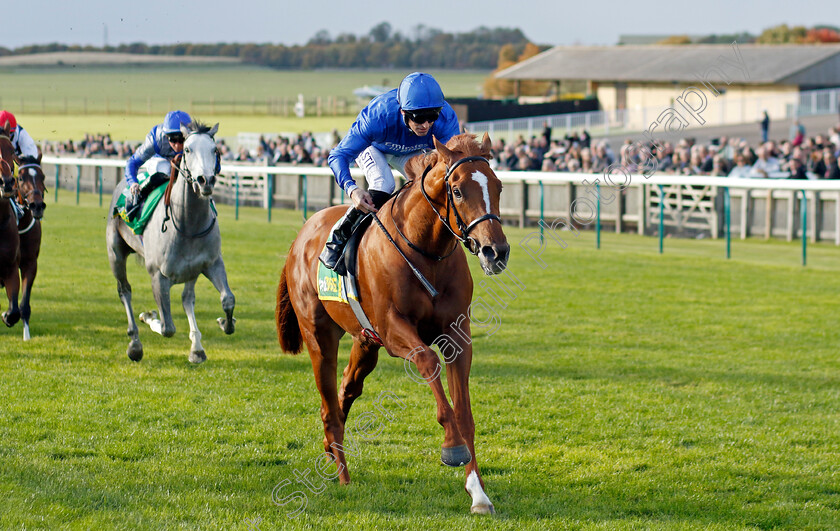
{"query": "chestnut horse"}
(452, 195)
(31, 190)
(9, 239)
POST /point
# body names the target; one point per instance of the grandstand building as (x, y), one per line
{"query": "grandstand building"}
(691, 85)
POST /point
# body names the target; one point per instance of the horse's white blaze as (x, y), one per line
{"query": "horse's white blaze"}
(33, 173)
(474, 488)
(481, 179)
(201, 160)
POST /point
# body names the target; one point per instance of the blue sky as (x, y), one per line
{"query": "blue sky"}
(543, 21)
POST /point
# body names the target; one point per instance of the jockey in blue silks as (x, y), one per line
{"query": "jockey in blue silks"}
(165, 141)
(394, 127)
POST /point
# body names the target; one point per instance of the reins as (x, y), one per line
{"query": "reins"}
(423, 280)
(470, 243)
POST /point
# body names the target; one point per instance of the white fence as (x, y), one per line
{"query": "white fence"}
(690, 205)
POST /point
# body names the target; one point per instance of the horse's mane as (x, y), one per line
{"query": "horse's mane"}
(468, 144)
(198, 127)
(28, 160)
(465, 143)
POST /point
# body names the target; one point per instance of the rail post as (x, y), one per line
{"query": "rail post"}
(727, 209)
(542, 211)
(597, 215)
(78, 181)
(270, 185)
(661, 216)
(305, 195)
(804, 229)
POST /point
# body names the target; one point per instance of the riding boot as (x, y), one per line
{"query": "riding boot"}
(334, 249)
(132, 206)
(146, 188)
(379, 198)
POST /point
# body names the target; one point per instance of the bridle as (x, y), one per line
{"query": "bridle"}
(5, 162)
(25, 198)
(469, 242)
(186, 174)
(11, 175)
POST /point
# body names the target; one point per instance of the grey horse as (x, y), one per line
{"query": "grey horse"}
(180, 242)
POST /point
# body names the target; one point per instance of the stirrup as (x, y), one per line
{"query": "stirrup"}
(331, 256)
(134, 211)
(333, 251)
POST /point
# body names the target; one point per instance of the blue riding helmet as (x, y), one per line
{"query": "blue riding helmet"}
(173, 121)
(419, 91)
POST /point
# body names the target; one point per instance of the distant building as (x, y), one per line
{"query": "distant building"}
(624, 40)
(732, 83)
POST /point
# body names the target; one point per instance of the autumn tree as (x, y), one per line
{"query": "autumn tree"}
(816, 35)
(676, 39)
(782, 34)
(504, 88)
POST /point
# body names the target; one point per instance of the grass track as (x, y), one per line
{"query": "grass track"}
(59, 103)
(622, 390)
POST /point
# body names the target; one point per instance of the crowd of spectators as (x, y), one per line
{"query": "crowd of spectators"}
(98, 145)
(798, 157)
(300, 149)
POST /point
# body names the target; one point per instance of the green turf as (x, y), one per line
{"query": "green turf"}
(60, 103)
(623, 389)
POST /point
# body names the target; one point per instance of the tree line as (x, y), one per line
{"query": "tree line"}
(381, 47)
(781, 34)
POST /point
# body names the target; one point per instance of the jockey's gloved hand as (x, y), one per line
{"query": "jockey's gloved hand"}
(135, 189)
(362, 200)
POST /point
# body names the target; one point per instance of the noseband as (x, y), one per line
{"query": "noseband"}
(185, 171)
(25, 198)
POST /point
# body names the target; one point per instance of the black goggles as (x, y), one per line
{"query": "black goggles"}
(175, 138)
(422, 116)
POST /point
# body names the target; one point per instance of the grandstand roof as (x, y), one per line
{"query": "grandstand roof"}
(812, 65)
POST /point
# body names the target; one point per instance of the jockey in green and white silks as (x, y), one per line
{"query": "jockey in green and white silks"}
(390, 130)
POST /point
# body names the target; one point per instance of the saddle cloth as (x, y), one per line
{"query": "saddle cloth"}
(335, 287)
(139, 224)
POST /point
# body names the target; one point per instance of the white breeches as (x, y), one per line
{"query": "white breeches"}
(377, 168)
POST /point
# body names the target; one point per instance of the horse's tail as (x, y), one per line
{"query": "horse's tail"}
(288, 329)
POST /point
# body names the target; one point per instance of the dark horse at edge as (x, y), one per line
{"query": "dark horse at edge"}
(452, 195)
(31, 190)
(9, 238)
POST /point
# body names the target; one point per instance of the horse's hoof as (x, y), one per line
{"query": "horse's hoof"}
(455, 456)
(146, 317)
(135, 350)
(9, 319)
(482, 509)
(197, 356)
(227, 325)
